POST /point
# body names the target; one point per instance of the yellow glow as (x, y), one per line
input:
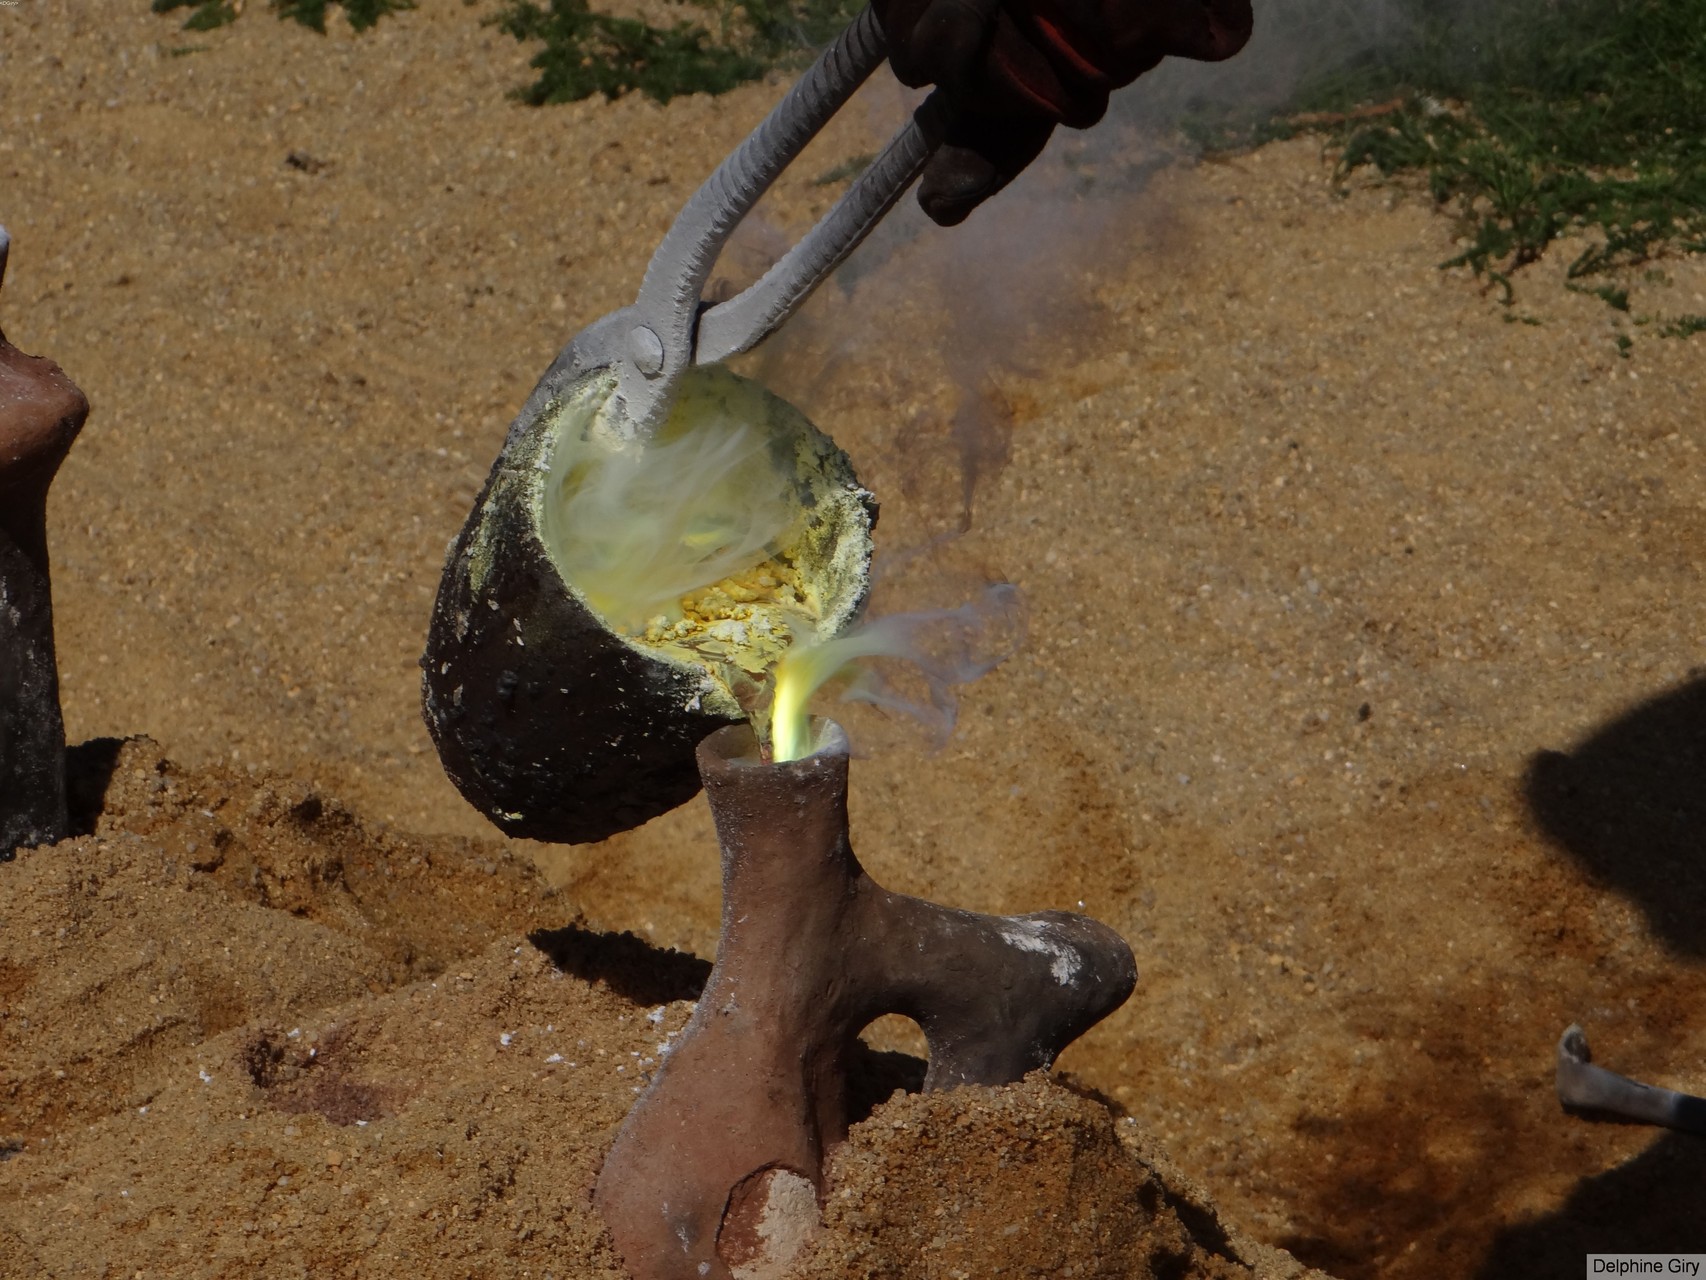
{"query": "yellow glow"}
(643, 526)
(948, 647)
(799, 675)
(736, 532)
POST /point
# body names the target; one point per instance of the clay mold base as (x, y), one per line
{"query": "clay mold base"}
(723, 1157)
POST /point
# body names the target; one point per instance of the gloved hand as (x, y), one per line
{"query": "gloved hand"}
(1014, 69)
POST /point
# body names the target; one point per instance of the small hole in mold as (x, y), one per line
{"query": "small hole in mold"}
(896, 1033)
(891, 1057)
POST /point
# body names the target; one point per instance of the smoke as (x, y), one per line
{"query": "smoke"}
(939, 327)
(944, 328)
(1295, 42)
(932, 339)
(636, 529)
(940, 649)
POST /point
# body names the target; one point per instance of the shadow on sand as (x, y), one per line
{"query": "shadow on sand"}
(1629, 805)
(88, 772)
(1654, 1204)
(629, 965)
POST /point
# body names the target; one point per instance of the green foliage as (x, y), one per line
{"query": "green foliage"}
(586, 52)
(846, 170)
(1683, 327)
(1538, 119)
(784, 29)
(362, 14)
(205, 15)
(1613, 297)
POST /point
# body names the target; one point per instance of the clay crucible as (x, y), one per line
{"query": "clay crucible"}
(41, 411)
(718, 1170)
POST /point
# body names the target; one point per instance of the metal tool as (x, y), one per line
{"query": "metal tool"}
(669, 327)
(1584, 1087)
(552, 724)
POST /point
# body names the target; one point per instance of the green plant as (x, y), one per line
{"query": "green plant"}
(1683, 327)
(1613, 297)
(782, 30)
(585, 52)
(362, 14)
(205, 15)
(1569, 115)
(849, 168)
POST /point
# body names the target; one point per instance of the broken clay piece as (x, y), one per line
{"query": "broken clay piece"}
(41, 412)
(706, 1176)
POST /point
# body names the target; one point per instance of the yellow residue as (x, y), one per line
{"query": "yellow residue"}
(746, 621)
(736, 532)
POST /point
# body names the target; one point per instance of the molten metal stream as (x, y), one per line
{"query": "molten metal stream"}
(948, 647)
(801, 673)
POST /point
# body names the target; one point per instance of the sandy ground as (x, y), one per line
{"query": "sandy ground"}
(1361, 691)
(247, 1035)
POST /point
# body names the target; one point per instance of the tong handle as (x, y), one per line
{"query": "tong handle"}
(752, 315)
(668, 335)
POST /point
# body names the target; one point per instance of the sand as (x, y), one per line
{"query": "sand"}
(1361, 687)
(246, 1035)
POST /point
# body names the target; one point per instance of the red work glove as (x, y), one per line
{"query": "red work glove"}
(1014, 69)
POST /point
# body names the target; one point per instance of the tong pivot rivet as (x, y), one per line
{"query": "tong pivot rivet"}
(645, 349)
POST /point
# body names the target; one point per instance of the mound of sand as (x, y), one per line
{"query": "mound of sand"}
(243, 1033)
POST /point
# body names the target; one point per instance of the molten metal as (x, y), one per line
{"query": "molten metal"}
(583, 643)
(948, 647)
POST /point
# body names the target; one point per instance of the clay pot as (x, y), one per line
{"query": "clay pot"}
(555, 720)
(41, 412)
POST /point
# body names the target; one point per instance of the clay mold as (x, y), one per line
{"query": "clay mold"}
(41, 412)
(718, 1170)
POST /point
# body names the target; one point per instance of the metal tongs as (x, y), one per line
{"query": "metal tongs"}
(669, 328)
